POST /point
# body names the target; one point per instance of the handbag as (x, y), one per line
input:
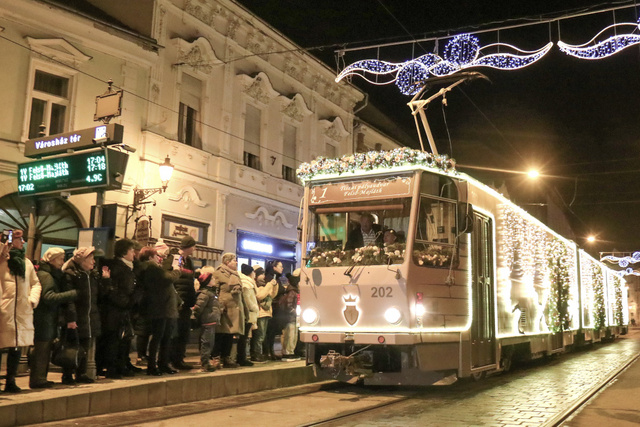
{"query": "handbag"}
(66, 350)
(266, 303)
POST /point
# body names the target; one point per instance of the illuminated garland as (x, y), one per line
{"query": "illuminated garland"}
(618, 315)
(461, 52)
(558, 317)
(373, 160)
(622, 261)
(600, 313)
(605, 48)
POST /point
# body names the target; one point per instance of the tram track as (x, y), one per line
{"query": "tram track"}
(584, 400)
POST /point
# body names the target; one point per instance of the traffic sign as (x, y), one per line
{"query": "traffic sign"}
(94, 137)
(74, 173)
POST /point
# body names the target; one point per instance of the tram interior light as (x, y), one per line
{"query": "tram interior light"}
(310, 316)
(393, 315)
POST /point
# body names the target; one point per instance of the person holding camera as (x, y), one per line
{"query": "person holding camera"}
(21, 291)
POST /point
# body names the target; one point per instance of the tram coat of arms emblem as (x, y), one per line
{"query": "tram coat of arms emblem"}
(351, 312)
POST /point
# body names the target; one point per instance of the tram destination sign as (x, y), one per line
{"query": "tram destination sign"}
(94, 137)
(74, 173)
(370, 189)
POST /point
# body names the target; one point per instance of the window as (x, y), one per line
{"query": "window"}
(330, 151)
(189, 114)
(252, 125)
(289, 162)
(436, 230)
(49, 104)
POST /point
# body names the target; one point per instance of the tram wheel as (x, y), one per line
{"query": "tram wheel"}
(506, 362)
(478, 376)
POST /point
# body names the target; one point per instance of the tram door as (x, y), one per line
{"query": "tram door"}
(483, 340)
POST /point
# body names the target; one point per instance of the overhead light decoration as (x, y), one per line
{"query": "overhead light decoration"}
(603, 49)
(622, 261)
(461, 52)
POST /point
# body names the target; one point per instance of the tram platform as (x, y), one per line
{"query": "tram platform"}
(106, 396)
(616, 405)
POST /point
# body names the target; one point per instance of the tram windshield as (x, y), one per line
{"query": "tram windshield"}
(362, 233)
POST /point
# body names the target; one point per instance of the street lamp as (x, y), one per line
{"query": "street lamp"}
(140, 195)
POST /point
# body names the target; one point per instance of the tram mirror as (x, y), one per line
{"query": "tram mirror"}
(465, 217)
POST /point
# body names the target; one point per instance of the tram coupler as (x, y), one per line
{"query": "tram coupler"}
(336, 364)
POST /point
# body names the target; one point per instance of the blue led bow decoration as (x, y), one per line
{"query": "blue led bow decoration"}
(622, 261)
(605, 48)
(461, 52)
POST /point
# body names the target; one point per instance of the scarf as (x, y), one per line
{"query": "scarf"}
(16, 262)
(127, 263)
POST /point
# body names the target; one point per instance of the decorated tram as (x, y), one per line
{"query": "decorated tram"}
(465, 283)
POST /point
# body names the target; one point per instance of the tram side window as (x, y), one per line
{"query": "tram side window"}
(435, 233)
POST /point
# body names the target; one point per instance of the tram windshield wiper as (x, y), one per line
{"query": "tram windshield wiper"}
(350, 268)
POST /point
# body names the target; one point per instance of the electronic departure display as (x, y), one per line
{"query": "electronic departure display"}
(76, 173)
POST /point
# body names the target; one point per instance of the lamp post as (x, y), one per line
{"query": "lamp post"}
(140, 195)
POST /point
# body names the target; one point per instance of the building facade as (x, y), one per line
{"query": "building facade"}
(234, 104)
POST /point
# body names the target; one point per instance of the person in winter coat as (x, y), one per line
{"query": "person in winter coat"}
(45, 316)
(117, 330)
(265, 293)
(20, 295)
(187, 293)
(274, 327)
(82, 316)
(251, 310)
(232, 318)
(288, 305)
(159, 307)
(207, 312)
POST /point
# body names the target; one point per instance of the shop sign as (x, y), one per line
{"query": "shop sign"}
(175, 228)
(371, 189)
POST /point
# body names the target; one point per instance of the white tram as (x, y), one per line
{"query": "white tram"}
(471, 283)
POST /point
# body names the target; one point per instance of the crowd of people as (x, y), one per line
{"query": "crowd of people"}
(148, 297)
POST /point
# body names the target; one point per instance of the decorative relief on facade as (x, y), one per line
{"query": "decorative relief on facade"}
(199, 54)
(58, 50)
(295, 107)
(256, 42)
(334, 129)
(202, 10)
(258, 87)
(296, 69)
(162, 13)
(263, 217)
(232, 28)
(189, 196)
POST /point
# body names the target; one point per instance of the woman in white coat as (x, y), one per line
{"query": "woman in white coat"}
(20, 295)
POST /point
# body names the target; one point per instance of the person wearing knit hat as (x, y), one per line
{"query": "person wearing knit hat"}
(251, 311)
(207, 312)
(259, 272)
(187, 292)
(45, 316)
(21, 292)
(82, 317)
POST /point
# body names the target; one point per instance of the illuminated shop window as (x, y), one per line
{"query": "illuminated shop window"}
(189, 127)
(252, 125)
(49, 104)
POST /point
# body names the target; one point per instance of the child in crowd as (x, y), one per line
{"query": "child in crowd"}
(207, 312)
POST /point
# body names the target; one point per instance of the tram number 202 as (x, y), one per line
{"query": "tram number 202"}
(381, 292)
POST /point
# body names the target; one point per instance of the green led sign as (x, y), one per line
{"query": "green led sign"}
(75, 173)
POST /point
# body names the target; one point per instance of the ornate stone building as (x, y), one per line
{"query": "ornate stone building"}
(233, 103)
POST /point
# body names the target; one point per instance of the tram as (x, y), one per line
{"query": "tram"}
(468, 283)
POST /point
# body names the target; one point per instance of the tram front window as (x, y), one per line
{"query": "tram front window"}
(332, 232)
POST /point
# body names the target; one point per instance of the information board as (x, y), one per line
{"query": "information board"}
(76, 173)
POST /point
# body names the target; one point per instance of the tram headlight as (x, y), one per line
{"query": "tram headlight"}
(393, 315)
(420, 310)
(310, 316)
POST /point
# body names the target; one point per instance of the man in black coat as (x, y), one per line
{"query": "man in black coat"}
(187, 293)
(367, 234)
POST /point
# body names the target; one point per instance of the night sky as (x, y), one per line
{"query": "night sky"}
(574, 120)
